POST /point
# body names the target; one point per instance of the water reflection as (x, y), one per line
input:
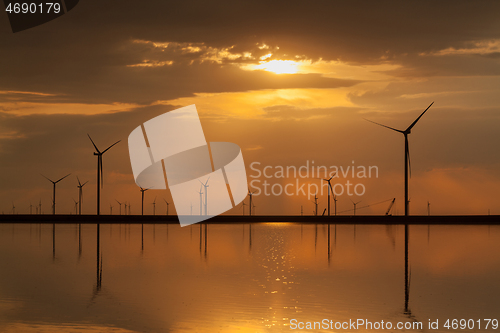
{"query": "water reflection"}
(258, 277)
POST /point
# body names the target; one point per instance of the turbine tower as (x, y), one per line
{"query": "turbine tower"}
(406, 132)
(142, 192)
(355, 203)
(54, 192)
(119, 203)
(206, 194)
(100, 179)
(250, 204)
(201, 199)
(330, 190)
(154, 206)
(80, 195)
(76, 206)
(167, 203)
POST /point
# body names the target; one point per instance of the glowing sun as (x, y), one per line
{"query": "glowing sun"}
(279, 66)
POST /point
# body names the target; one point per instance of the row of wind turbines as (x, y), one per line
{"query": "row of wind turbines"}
(100, 181)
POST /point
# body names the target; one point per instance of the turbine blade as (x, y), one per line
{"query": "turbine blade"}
(78, 181)
(413, 124)
(50, 180)
(63, 178)
(85, 183)
(111, 146)
(118, 202)
(384, 126)
(93, 144)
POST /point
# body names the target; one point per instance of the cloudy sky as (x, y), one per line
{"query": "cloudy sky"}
(289, 82)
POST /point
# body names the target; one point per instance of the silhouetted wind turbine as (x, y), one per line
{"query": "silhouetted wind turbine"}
(154, 206)
(243, 204)
(206, 194)
(428, 208)
(100, 176)
(125, 208)
(329, 190)
(80, 195)
(110, 209)
(201, 199)
(355, 203)
(167, 203)
(250, 205)
(142, 192)
(54, 192)
(119, 203)
(40, 205)
(13, 208)
(76, 206)
(407, 154)
(31, 208)
(315, 202)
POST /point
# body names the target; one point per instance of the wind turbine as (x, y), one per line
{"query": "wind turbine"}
(355, 203)
(406, 132)
(13, 208)
(142, 192)
(154, 206)
(330, 190)
(76, 206)
(206, 194)
(31, 208)
(119, 203)
(428, 208)
(315, 202)
(167, 204)
(100, 176)
(250, 205)
(201, 199)
(110, 209)
(54, 192)
(125, 208)
(243, 206)
(40, 205)
(80, 195)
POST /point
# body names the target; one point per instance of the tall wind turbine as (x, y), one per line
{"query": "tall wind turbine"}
(206, 194)
(125, 208)
(121, 206)
(76, 206)
(142, 192)
(406, 132)
(169, 204)
(154, 206)
(54, 192)
(100, 179)
(315, 202)
(330, 190)
(80, 195)
(355, 203)
(250, 194)
(201, 199)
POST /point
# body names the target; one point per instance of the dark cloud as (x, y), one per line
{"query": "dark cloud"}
(83, 55)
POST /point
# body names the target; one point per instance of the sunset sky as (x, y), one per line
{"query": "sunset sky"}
(289, 82)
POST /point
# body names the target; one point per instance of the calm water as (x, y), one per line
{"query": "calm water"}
(242, 278)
